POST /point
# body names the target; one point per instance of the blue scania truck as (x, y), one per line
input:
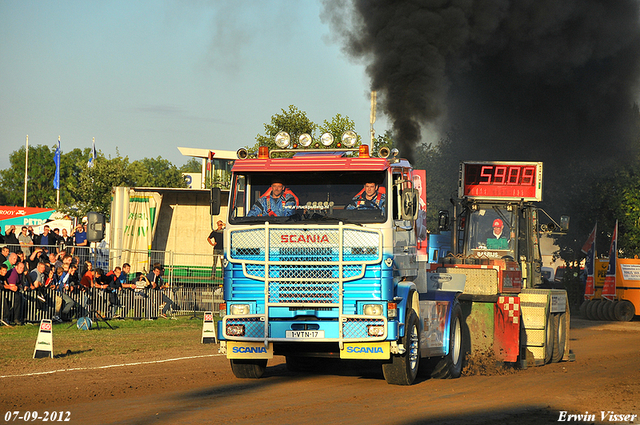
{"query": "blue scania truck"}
(321, 261)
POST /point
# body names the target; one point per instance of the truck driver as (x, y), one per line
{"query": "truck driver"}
(277, 201)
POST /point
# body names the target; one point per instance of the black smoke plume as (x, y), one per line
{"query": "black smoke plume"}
(544, 80)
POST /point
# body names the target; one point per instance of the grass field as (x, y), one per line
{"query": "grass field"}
(133, 339)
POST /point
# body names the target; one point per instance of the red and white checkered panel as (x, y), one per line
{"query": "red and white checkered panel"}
(511, 306)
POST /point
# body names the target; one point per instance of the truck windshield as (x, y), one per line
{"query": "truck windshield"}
(491, 232)
(351, 197)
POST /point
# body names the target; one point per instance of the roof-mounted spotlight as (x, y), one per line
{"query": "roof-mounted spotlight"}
(282, 139)
(349, 138)
(305, 140)
(327, 139)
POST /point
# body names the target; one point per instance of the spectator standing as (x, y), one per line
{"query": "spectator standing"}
(65, 243)
(4, 290)
(11, 239)
(25, 241)
(46, 239)
(156, 283)
(16, 284)
(81, 243)
(216, 240)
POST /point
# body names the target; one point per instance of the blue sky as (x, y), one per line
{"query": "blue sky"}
(147, 76)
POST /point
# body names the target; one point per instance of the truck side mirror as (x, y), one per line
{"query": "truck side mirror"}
(564, 222)
(214, 201)
(95, 227)
(443, 220)
(410, 200)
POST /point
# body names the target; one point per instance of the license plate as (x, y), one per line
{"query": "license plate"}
(305, 334)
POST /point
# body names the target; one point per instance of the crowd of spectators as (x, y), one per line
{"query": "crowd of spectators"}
(50, 270)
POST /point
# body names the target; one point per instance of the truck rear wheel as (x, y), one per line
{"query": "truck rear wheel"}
(450, 366)
(403, 368)
(248, 368)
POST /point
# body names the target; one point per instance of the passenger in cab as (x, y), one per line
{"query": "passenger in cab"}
(371, 197)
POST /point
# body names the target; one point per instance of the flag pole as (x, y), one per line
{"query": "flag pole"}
(26, 170)
(58, 190)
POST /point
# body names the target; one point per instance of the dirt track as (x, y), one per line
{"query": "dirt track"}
(604, 377)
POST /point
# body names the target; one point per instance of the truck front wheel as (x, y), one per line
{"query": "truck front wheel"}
(403, 368)
(248, 368)
(450, 366)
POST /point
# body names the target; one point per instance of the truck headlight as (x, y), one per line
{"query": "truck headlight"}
(373, 310)
(239, 309)
(327, 139)
(349, 138)
(305, 140)
(282, 139)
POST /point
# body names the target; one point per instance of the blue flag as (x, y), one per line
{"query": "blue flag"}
(56, 159)
(93, 154)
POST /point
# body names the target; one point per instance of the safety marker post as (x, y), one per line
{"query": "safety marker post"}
(44, 343)
(208, 328)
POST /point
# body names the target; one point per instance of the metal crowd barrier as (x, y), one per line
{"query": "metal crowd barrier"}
(194, 280)
(97, 304)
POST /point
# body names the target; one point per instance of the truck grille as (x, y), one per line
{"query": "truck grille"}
(305, 265)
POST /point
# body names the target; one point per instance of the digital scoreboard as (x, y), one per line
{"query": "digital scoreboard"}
(501, 181)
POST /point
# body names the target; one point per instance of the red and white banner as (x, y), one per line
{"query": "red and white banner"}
(13, 212)
(609, 288)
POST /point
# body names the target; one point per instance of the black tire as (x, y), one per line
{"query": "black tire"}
(600, 312)
(625, 311)
(592, 308)
(613, 309)
(450, 366)
(248, 368)
(403, 368)
(550, 332)
(559, 336)
(583, 308)
(609, 311)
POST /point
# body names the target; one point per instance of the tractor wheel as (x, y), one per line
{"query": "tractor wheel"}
(550, 337)
(403, 368)
(559, 336)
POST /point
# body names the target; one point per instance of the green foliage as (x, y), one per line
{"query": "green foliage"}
(40, 192)
(337, 126)
(193, 165)
(383, 140)
(441, 164)
(294, 121)
(82, 188)
(156, 172)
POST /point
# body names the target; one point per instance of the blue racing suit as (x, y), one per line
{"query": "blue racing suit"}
(283, 206)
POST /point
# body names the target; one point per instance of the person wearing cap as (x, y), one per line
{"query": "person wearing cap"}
(498, 238)
(277, 201)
